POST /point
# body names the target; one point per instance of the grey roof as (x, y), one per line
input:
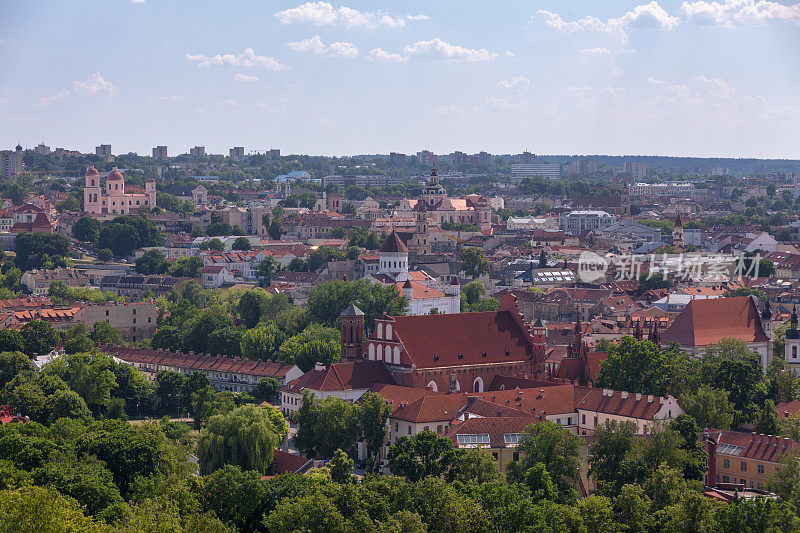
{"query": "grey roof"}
(352, 310)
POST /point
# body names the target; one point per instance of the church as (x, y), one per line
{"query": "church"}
(461, 352)
(424, 294)
(434, 205)
(112, 199)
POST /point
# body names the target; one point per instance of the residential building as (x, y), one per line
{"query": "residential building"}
(546, 170)
(235, 374)
(744, 459)
(272, 154)
(11, 163)
(42, 149)
(398, 160)
(598, 406)
(198, 151)
(671, 189)
(216, 276)
(344, 182)
(38, 281)
(104, 150)
(498, 436)
(576, 222)
(135, 285)
(160, 154)
(236, 153)
(135, 321)
(636, 169)
(112, 200)
(526, 158)
(346, 381)
(426, 157)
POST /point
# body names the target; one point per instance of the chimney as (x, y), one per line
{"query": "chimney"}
(319, 366)
(649, 398)
(624, 395)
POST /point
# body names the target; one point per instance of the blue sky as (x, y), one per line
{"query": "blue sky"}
(688, 77)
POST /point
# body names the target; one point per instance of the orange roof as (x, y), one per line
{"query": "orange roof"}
(705, 322)
(419, 291)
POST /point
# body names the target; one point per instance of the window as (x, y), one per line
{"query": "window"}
(583, 419)
(134, 320)
(595, 421)
(726, 463)
(468, 439)
(494, 455)
(726, 479)
(743, 466)
(396, 426)
(794, 352)
(515, 457)
(409, 429)
(760, 469)
(511, 438)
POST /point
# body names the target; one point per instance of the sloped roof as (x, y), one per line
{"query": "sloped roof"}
(633, 406)
(492, 333)
(343, 376)
(751, 445)
(352, 310)
(704, 322)
(432, 409)
(495, 427)
(393, 244)
(554, 400)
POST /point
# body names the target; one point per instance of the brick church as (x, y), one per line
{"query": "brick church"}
(455, 352)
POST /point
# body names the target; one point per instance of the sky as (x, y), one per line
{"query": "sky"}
(688, 78)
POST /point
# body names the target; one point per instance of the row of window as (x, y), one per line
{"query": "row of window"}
(726, 463)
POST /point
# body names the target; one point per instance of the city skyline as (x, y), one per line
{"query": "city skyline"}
(357, 78)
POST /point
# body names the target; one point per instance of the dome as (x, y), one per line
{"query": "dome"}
(91, 171)
(114, 175)
(18, 148)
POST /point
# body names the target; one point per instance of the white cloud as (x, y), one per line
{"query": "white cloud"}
(716, 86)
(595, 51)
(2, 100)
(651, 16)
(95, 84)
(230, 101)
(138, 1)
(506, 103)
(316, 46)
(248, 58)
(172, 98)
(654, 81)
(378, 54)
(516, 81)
(733, 12)
(324, 14)
(509, 53)
(244, 78)
(448, 111)
(436, 48)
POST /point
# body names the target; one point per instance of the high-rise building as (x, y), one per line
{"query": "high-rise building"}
(11, 163)
(546, 170)
(458, 158)
(236, 153)
(160, 153)
(273, 153)
(426, 157)
(481, 158)
(526, 158)
(197, 151)
(41, 149)
(636, 169)
(396, 159)
(104, 150)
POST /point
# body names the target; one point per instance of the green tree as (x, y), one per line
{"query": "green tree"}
(186, 267)
(610, 457)
(241, 243)
(425, 454)
(86, 480)
(373, 415)
(105, 333)
(68, 404)
(473, 291)
(40, 250)
(638, 366)
(341, 467)
(768, 422)
(275, 229)
(477, 466)
(557, 449)
(105, 254)
(169, 386)
(214, 244)
(265, 270)
(13, 363)
(709, 407)
(251, 305)
(323, 426)
(39, 337)
(266, 389)
(86, 229)
(11, 341)
(474, 262)
(151, 262)
(245, 437)
(261, 342)
(32, 509)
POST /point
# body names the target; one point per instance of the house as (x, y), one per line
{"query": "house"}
(498, 436)
(216, 276)
(597, 406)
(744, 459)
(705, 322)
(289, 463)
(347, 381)
(225, 373)
(38, 281)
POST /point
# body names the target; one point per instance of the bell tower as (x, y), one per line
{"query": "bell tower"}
(351, 322)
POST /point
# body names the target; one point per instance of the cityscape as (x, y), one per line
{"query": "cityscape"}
(295, 269)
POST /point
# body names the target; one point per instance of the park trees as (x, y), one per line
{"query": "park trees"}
(422, 455)
(474, 262)
(325, 426)
(244, 437)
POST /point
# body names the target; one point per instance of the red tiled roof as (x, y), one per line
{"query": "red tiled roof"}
(495, 427)
(595, 400)
(432, 409)
(554, 400)
(289, 463)
(418, 290)
(753, 445)
(343, 376)
(787, 409)
(398, 396)
(494, 333)
(705, 322)
(393, 244)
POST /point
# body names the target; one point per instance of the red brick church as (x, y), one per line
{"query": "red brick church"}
(454, 352)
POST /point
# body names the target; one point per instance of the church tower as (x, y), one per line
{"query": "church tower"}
(351, 322)
(433, 193)
(92, 192)
(393, 258)
(419, 241)
(677, 233)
